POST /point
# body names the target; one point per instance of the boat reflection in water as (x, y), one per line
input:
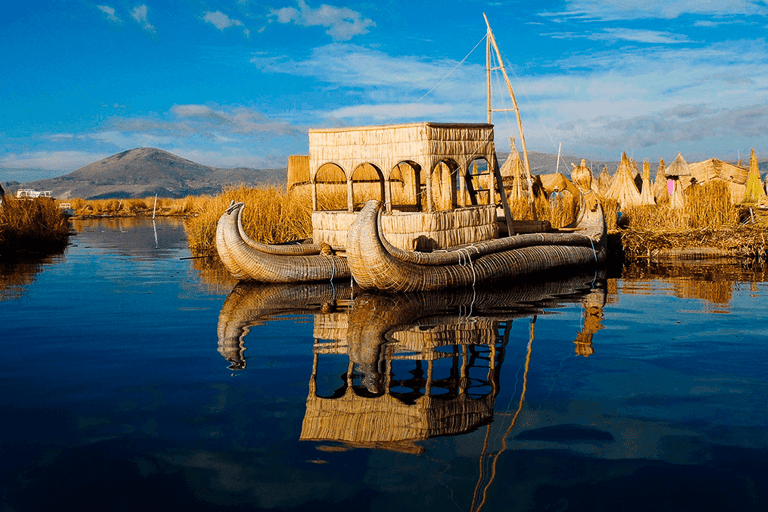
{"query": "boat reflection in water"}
(418, 365)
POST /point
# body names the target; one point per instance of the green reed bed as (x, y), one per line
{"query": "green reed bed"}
(32, 226)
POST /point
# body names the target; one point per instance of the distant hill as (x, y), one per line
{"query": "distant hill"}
(144, 172)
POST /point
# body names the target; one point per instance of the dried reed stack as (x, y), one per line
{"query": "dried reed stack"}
(298, 171)
(604, 181)
(754, 186)
(646, 192)
(623, 188)
(660, 191)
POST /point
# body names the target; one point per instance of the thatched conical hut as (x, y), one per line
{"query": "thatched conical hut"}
(754, 186)
(623, 188)
(603, 182)
(646, 192)
(678, 169)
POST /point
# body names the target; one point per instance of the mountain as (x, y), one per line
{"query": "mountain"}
(144, 172)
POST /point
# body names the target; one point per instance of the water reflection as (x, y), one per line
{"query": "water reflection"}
(416, 366)
(135, 237)
(713, 281)
(17, 274)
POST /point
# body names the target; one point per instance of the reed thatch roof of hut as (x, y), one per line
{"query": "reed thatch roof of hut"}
(754, 186)
(678, 168)
(623, 188)
(718, 170)
(512, 172)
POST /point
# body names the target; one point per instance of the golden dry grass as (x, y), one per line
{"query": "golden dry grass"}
(270, 216)
(35, 225)
(162, 206)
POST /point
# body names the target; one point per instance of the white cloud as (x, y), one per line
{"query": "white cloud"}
(342, 23)
(390, 111)
(139, 13)
(109, 12)
(593, 10)
(352, 66)
(626, 34)
(221, 21)
(50, 160)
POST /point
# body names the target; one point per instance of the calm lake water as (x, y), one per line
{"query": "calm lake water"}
(133, 377)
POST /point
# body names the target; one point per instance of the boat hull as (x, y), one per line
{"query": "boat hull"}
(375, 264)
(247, 260)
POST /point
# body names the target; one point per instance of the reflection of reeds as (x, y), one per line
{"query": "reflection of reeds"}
(32, 225)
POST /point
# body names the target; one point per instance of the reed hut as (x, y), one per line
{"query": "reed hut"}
(660, 183)
(646, 190)
(679, 169)
(754, 186)
(604, 181)
(623, 188)
(714, 169)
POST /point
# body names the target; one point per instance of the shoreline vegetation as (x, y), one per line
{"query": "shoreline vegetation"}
(32, 226)
(708, 225)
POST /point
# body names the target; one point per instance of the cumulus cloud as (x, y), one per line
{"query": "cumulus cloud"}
(139, 14)
(221, 21)
(109, 12)
(342, 23)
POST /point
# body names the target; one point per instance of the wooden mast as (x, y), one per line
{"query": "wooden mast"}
(492, 41)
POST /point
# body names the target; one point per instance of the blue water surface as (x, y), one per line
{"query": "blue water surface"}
(135, 377)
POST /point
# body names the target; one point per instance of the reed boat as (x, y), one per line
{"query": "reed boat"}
(444, 207)
(248, 260)
(377, 264)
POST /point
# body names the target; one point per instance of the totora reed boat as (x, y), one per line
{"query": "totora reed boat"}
(425, 207)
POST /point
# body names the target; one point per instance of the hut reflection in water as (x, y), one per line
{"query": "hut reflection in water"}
(416, 365)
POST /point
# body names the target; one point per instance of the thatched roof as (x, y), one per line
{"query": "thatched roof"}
(678, 168)
(708, 170)
(623, 188)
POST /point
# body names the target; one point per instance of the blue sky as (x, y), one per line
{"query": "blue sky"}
(239, 82)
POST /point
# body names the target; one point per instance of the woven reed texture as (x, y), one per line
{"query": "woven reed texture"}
(420, 231)
(376, 264)
(386, 146)
(246, 260)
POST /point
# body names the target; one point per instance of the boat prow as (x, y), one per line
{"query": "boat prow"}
(376, 264)
(248, 260)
